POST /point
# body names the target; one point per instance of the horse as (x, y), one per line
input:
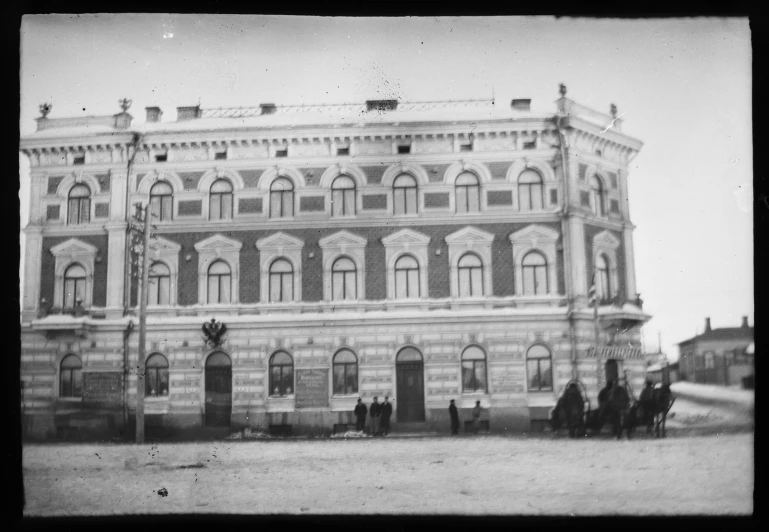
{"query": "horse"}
(616, 407)
(662, 402)
(570, 409)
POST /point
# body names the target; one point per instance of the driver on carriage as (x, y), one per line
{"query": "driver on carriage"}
(604, 395)
(646, 402)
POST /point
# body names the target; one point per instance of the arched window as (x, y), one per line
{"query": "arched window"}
(219, 282)
(220, 200)
(343, 196)
(281, 281)
(597, 195)
(281, 198)
(156, 376)
(343, 279)
(281, 374)
(71, 377)
(159, 287)
(470, 271)
(74, 285)
(345, 373)
(530, 191)
(468, 193)
(539, 368)
(602, 278)
(161, 201)
(405, 195)
(406, 278)
(473, 370)
(534, 267)
(79, 208)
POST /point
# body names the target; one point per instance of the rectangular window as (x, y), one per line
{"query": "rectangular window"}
(281, 153)
(466, 147)
(161, 157)
(78, 159)
(404, 149)
(343, 151)
(530, 145)
(220, 155)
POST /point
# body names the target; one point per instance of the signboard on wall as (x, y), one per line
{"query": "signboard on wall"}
(102, 388)
(311, 388)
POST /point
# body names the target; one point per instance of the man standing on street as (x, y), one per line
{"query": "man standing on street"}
(477, 417)
(454, 417)
(387, 410)
(360, 416)
(373, 413)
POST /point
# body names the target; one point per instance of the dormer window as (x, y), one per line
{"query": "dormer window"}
(221, 155)
(79, 159)
(343, 151)
(281, 153)
(161, 157)
(404, 149)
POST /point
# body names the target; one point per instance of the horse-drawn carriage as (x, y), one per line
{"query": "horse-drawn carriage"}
(617, 406)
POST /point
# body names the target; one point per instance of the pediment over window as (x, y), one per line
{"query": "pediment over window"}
(217, 241)
(606, 239)
(469, 234)
(342, 239)
(279, 241)
(405, 236)
(161, 245)
(534, 233)
(73, 246)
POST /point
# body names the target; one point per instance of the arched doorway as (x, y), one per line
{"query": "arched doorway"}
(218, 390)
(612, 370)
(410, 385)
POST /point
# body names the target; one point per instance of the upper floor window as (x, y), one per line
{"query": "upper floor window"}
(79, 211)
(281, 198)
(343, 196)
(281, 374)
(78, 159)
(470, 271)
(538, 368)
(343, 279)
(159, 288)
(534, 267)
(404, 148)
(219, 283)
(405, 195)
(345, 373)
(597, 196)
(406, 277)
(473, 370)
(71, 377)
(603, 278)
(74, 285)
(161, 201)
(220, 200)
(468, 193)
(530, 191)
(156, 376)
(281, 281)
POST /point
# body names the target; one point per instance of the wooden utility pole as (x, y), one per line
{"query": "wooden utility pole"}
(143, 293)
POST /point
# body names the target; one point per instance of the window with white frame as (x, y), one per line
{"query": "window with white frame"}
(534, 260)
(407, 259)
(344, 279)
(534, 267)
(284, 247)
(602, 278)
(73, 273)
(405, 194)
(281, 374)
(407, 278)
(281, 198)
(470, 272)
(474, 370)
(79, 205)
(345, 367)
(530, 191)
(161, 201)
(218, 260)
(71, 377)
(156, 376)
(467, 189)
(159, 287)
(539, 368)
(281, 281)
(343, 196)
(470, 262)
(220, 200)
(344, 265)
(605, 245)
(219, 283)
(74, 285)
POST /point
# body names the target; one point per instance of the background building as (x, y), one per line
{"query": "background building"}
(718, 356)
(427, 251)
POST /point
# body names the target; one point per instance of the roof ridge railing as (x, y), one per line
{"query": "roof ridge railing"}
(243, 112)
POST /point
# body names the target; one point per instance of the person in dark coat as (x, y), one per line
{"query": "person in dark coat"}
(477, 417)
(386, 412)
(646, 402)
(454, 415)
(360, 415)
(373, 413)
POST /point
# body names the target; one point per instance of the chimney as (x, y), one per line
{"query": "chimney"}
(521, 105)
(153, 114)
(745, 322)
(268, 108)
(707, 325)
(187, 113)
(381, 105)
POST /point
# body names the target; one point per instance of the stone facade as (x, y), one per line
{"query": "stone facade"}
(503, 275)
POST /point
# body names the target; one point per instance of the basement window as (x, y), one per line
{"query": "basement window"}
(343, 151)
(78, 159)
(404, 149)
(466, 147)
(531, 145)
(161, 157)
(220, 155)
(281, 153)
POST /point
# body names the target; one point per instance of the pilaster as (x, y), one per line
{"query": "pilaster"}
(577, 250)
(118, 196)
(116, 232)
(37, 190)
(33, 254)
(627, 240)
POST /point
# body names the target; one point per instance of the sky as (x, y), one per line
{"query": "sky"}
(682, 86)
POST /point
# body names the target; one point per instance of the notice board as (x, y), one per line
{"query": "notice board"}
(311, 388)
(102, 388)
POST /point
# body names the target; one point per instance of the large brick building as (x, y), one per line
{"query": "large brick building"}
(425, 251)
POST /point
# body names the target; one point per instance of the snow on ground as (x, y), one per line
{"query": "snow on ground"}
(459, 475)
(710, 392)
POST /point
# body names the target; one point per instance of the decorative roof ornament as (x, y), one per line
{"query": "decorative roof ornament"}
(562, 90)
(45, 108)
(613, 111)
(125, 104)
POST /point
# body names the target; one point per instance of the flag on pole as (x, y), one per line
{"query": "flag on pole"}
(592, 292)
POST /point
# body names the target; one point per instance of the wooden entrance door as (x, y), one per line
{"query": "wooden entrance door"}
(218, 390)
(410, 386)
(612, 370)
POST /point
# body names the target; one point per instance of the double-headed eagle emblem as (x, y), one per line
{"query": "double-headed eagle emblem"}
(214, 332)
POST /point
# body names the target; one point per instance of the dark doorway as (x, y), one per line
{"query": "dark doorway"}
(410, 385)
(612, 371)
(218, 390)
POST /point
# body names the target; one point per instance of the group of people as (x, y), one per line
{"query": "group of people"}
(379, 415)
